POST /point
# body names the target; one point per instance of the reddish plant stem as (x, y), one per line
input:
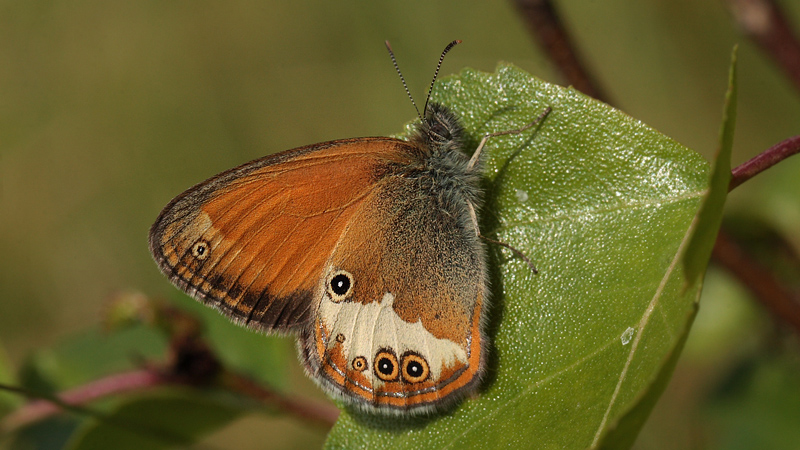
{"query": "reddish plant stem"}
(766, 24)
(729, 254)
(760, 281)
(764, 161)
(138, 380)
(544, 23)
(191, 363)
(40, 409)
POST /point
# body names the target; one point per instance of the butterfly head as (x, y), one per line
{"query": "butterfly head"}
(440, 131)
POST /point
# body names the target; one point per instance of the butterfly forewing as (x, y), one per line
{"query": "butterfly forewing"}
(253, 241)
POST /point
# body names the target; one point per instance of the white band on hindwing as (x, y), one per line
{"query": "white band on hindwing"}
(369, 328)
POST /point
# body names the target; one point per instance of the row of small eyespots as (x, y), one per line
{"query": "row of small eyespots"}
(414, 367)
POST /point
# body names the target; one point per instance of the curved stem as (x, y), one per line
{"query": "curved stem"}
(764, 161)
(72, 400)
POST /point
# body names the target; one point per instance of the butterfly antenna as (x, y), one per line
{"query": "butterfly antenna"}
(439, 66)
(394, 61)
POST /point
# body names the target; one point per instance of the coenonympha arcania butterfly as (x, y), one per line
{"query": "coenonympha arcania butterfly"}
(368, 248)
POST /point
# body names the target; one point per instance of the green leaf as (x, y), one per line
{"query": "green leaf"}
(159, 420)
(710, 217)
(602, 204)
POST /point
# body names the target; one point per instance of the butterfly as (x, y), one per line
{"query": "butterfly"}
(368, 249)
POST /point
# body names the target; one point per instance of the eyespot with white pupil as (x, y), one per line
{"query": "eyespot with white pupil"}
(385, 366)
(200, 250)
(340, 285)
(360, 364)
(415, 368)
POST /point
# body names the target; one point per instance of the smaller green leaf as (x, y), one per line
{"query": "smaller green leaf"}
(159, 420)
(709, 218)
(90, 355)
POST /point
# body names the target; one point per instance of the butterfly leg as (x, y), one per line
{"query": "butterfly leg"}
(516, 252)
(488, 136)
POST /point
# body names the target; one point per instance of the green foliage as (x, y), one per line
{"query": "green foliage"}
(89, 355)
(83, 358)
(163, 419)
(159, 420)
(603, 205)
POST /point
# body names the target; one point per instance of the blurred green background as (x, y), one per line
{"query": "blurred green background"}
(109, 109)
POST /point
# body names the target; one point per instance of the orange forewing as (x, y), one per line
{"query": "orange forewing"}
(253, 241)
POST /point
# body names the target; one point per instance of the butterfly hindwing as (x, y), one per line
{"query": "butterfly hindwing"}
(408, 331)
